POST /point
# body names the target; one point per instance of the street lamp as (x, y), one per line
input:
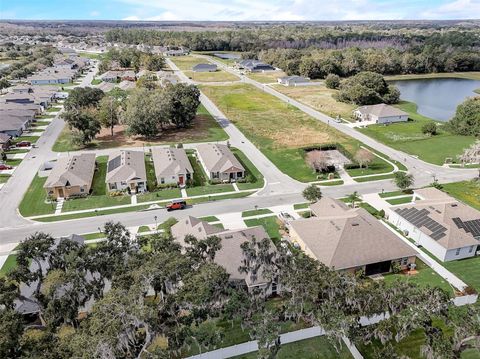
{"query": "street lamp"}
(156, 228)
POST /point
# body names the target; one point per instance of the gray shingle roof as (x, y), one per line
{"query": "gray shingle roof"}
(125, 166)
(76, 170)
(170, 162)
(218, 158)
(381, 110)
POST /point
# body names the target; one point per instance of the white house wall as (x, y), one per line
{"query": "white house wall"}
(391, 119)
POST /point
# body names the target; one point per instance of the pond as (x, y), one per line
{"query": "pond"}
(437, 98)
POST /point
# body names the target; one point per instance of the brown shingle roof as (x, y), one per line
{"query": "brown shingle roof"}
(125, 166)
(170, 162)
(381, 110)
(218, 158)
(76, 170)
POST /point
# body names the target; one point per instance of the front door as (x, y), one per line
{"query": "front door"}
(60, 192)
(232, 175)
(180, 180)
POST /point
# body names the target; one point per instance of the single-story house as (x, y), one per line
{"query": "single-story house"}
(5, 141)
(14, 124)
(230, 256)
(126, 85)
(219, 162)
(118, 75)
(52, 76)
(64, 64)
(126, 171)
(176, 52)
(254, 65)
(72, 176)
(380, 113)
(292, 80)
(447, 228)
(26, 108)
(204, 68)
(349, 239)
(171, 166)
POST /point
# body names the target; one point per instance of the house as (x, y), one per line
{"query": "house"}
(204, 68)
(171, 166)
(293, 80)
(118, 75)
(381, 113)
(349, 239)
(254, 65)
(176, 52)
(219, 162)
(72, 176)
(447, 228)
(5, 141)
(126, 171)
(13, 123)
(230, 256)
(52, 76)
(126, 85)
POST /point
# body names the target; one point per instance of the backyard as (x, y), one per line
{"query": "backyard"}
(319, 98)
(267, 76)
(408, 137)
(466, 191)
(279, 130)
(270, 223)
(203, 129)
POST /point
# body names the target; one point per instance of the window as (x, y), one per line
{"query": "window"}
(215, 175)
(457, 252)
(162, 180)
(471, 249)
(404, 261)
(123, 183)
(239, 174)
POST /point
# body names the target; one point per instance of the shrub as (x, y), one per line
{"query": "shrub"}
(115, 193)
(332, 81)
(429, 128)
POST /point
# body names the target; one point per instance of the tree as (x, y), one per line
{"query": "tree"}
(155, 62)
(318, 160)
(312, 193)
(332, 81)
(181, 104)
(145, 113)
(109, 112)
(429, 128)
(82, 97)
(85, 122)
(353, 198)
(266, 331)
(363, 157)
(147, 82)
(466, 121)
(403, 180)
(4, 83)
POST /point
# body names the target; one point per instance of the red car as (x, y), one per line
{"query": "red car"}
(24, 144)
(176, 204)
(5, 167)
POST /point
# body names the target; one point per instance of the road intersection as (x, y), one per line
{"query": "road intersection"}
(279, 188)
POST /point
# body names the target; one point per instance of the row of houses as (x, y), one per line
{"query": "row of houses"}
(21, 105)
(251, 65)
(64, 70)
(126, 171)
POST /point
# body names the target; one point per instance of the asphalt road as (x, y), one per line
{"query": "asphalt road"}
(280, 189)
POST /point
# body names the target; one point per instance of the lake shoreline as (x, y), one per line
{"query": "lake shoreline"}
(472, 75)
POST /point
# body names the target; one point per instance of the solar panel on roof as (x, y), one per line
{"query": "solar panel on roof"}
(472, 226)
(422, 219)
(114, 163)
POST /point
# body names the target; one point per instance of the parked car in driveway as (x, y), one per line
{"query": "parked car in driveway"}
(24, 144)
(176, 204)
(5, 167)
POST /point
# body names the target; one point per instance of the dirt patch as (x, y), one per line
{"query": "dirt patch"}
(300, 137)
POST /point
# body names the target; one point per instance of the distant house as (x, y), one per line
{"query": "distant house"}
(126, 171)
(292, 80)
(171, 166)
(118, 75)
(176, 52)
(230, 256)
(254, 65)
(5, 141)
(72, 176)
(447, 228)
(349, 239)
(204, 68)
(219, 162)
(381, 113)
(49, 76)
(14, 122)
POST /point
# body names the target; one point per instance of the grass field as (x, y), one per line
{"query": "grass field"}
(159, 195)
(9, 264)
(442, 75)
(4, 178)
(465, 191)
(203, 129)
(33, 203)
(313, 348)
(408, 137)
(185, 63)
(374, 178)
(279, 130)
(401, 200)
(267, 76)
(467, 269)
(252, 172)
(256, 212)
(269, 223)
(319, 98)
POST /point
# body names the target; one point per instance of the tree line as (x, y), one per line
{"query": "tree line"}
(154, 300)
(145, 112)
(131, 58)
(28, 59)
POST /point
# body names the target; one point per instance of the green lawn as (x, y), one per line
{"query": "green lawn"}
(96, 82)
(9, 264)
(440, 75)
(93, 235)
(185, 63)
(279, 130)
(377, 166)
(374, 178)
(151, 178)
(54, 109)
(210, 189)
(33, 203)
(301, 205)
(392, 194)
(401, 200)
(269, 223)
(331, 183)
(4, 178)
(426, 277)
(466, 191)
(209, 219)
(218, 198)
(408, 137)
(159, 195)
(93, 202)
(467, 269)
(31, 139)
(313, 348)
(254, 176)
(256, 212)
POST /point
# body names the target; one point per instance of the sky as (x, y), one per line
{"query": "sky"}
(239, 10)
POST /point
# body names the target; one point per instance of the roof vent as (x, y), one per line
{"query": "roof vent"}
(454, 205)
(229, 236)
(355, 224)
